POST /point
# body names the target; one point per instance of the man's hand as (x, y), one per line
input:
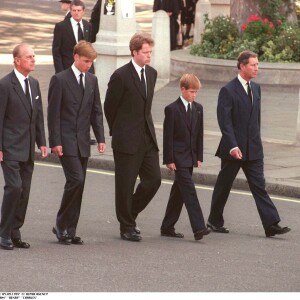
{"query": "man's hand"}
(199, 163)
(1, 155)
(44, 151)
(57, 150)
(101, 147)
(236, 153)
(171, 167)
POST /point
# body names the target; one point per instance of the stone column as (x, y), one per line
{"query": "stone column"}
(202, 7)
(161, 53)
(112, 42)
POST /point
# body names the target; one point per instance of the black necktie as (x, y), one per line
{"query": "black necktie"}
(81, 83)
(80, 33)
(143, 82)
(249, 91)
(27, 93)
(189, 113)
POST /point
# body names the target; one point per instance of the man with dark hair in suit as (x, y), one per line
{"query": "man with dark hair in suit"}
(127, 109)
(239, 117)
(65, 6)
(95, 20)
(67, 34)
(73, 107)
(21, 126)
(183, 150)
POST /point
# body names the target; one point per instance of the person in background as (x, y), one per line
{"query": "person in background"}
(95, 20)
(21, 127)
(65, 6)
(171, 7)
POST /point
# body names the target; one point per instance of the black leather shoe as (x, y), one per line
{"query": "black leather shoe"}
(19, 244)
(76, 240)
(172, 234)
(276, 229)
(217, 229)
(61, 236)
(131, 236)
(200, 233)
(137, 230)
(6, 244)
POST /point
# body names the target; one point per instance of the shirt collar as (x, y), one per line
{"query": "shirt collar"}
(185, 103)
(20, 76)
(137, 67)
(74, 22)
(76, 71)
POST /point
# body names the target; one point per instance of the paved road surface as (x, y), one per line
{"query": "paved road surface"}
(243, 260)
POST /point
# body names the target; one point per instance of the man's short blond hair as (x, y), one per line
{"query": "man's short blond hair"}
(84, 48)
(190, 81)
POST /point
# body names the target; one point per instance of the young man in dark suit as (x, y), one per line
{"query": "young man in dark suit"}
(67, 34)
(74, 106)
(239, 117)
(127, 109)
(183, 150)
(21, 126)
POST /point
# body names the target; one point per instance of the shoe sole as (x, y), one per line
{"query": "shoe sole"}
(216, 230)
(7, 248)
(61, 241)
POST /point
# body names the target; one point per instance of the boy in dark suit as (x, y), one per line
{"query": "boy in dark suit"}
(183, 150)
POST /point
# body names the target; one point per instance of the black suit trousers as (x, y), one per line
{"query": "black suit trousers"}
(17, 177)
(145, 164)
(254, 172)
(75, 172)
(183, 191)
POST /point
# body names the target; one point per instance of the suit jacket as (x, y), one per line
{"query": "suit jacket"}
(64, 42)
(167, 6)
(239, 121)
(70, 116)
(127, 110)
(95, 20)
(182, 141)
(21, 126)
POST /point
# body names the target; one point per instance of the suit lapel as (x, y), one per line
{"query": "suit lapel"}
(243, 94)
(86, 33)
(74, 86)
(87, 90)
(19, 91)
(70, 31)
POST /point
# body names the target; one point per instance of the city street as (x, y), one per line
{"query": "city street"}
(243, 260)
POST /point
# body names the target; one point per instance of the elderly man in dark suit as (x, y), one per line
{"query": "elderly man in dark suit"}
(74, 106)
(67, 34)
(21, 126)
(183, 150)
(127, 109)
(239, 112)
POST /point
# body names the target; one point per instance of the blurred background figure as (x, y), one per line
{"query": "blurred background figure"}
(65, 6)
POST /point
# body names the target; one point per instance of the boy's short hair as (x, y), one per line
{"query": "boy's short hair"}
(84, 48)
(190, 81)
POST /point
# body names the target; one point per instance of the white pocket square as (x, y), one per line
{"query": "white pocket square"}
(37, 97)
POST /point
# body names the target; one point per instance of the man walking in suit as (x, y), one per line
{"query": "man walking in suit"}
(127, 109)
(73, 106)
(183, 150)
(67, 34)
(239, 112)
(21, 126)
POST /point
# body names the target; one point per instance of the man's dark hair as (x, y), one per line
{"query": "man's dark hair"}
(244, 57)
(77, 3)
